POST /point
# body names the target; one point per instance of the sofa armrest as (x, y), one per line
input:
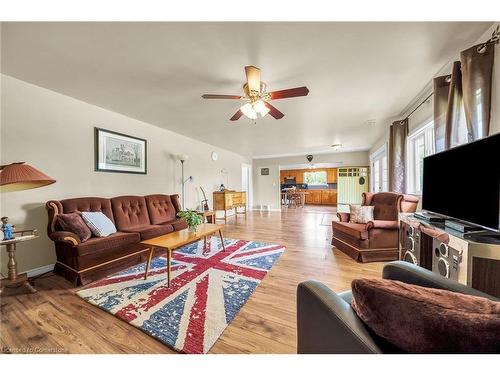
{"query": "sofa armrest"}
(63, 236)
(382, 224)
(327, 324)
(344, 216)
(412, 274)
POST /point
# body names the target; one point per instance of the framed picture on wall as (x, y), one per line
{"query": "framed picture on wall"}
(116, 152)
(264, 171)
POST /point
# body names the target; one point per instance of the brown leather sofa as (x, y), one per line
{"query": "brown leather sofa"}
(378, 239)
(327, 324)
(136, 218)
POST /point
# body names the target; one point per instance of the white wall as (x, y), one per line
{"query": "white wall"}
(267, 188)
(55, 133)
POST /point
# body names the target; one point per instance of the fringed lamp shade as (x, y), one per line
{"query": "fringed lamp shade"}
(20, 176)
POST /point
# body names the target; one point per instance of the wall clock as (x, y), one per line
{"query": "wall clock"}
(215, 156)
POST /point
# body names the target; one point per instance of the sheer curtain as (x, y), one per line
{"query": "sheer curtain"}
(397, 156)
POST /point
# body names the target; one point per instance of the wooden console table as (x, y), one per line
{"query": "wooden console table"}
(229, 200)
(13, 278)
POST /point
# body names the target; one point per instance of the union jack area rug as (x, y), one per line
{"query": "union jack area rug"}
(208, 287)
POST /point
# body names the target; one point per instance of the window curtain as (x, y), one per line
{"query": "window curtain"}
(477, 73)
(441, 90)
(450, 128)
(397, 156)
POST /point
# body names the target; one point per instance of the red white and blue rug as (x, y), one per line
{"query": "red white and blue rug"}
(208, 287)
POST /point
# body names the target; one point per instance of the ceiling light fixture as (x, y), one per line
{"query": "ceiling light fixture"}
(336, 146)
(249, 111)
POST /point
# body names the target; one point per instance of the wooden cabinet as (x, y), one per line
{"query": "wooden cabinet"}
(331, 175)
(229, 200)
(298, 174)
(329, 197)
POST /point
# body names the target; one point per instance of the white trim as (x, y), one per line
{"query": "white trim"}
(379, 151)
(40, 270)
(352, 149)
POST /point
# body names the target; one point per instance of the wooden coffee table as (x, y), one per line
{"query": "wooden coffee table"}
(174, 240)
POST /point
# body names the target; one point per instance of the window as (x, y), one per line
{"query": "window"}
(315, 178)
(379, 174)
(420, 144)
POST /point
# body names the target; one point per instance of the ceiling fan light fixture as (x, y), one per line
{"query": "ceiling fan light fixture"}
(249, 111)
(260, 107)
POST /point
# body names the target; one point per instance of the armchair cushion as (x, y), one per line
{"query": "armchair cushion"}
(425, 320)
(74, 223)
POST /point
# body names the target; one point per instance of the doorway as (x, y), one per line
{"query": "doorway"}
(246, 183)
(378, 163)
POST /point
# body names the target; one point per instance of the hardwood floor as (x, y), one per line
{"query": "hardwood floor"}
(55, 320)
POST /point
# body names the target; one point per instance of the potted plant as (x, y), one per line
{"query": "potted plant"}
(192, 218)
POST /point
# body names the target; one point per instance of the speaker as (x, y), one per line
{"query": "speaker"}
(447, 261)
(410, 244)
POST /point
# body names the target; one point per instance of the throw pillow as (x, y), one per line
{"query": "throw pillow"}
(360, 214)
(427, 320)
(354, 212)
(99, 224)
(73, 223)
(365, 214)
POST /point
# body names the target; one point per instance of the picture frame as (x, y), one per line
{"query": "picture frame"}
(119, 153)
(264, 171)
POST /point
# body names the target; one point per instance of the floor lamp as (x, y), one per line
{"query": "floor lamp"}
(182, 158)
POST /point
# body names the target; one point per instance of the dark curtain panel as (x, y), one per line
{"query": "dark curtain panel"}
(477, 72)
(441, 90)
(397, 156)
(456, 129)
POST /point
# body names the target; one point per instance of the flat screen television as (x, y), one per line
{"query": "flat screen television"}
(464, 183)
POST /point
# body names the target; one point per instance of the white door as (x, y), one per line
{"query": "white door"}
(380, 178)
(246, 182)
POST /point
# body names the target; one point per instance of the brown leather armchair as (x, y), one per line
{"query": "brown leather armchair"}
(378, 239)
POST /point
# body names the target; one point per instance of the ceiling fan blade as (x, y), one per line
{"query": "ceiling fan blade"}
(237, 115)
(253, 78)
(289, 93)
(273, 111)
(215, 96)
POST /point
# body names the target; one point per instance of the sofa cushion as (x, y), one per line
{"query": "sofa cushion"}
(130, 211)
(160, 208)
(355, 230)
(426, 320)
(99, 224)
(150, 231)
(88, 204)
(74, 223)
(113, 241)
(178, 224)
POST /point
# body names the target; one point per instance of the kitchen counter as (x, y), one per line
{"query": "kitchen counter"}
(320, 196)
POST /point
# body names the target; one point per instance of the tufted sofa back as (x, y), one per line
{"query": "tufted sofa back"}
(160, 208)
(130, 211)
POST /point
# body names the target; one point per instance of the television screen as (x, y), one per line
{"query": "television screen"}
(464, 183)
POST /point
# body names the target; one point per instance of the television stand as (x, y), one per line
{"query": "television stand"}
(487, 237)
(429, 217)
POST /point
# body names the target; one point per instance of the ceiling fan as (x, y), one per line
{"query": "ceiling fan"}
(257, 97)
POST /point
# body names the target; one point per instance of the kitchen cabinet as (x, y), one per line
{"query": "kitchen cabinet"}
(331, 175)
(328, 196)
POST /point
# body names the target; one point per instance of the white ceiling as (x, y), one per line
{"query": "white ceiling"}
(156, 72)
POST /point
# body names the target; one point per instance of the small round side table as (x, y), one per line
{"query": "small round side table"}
(14, 279)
